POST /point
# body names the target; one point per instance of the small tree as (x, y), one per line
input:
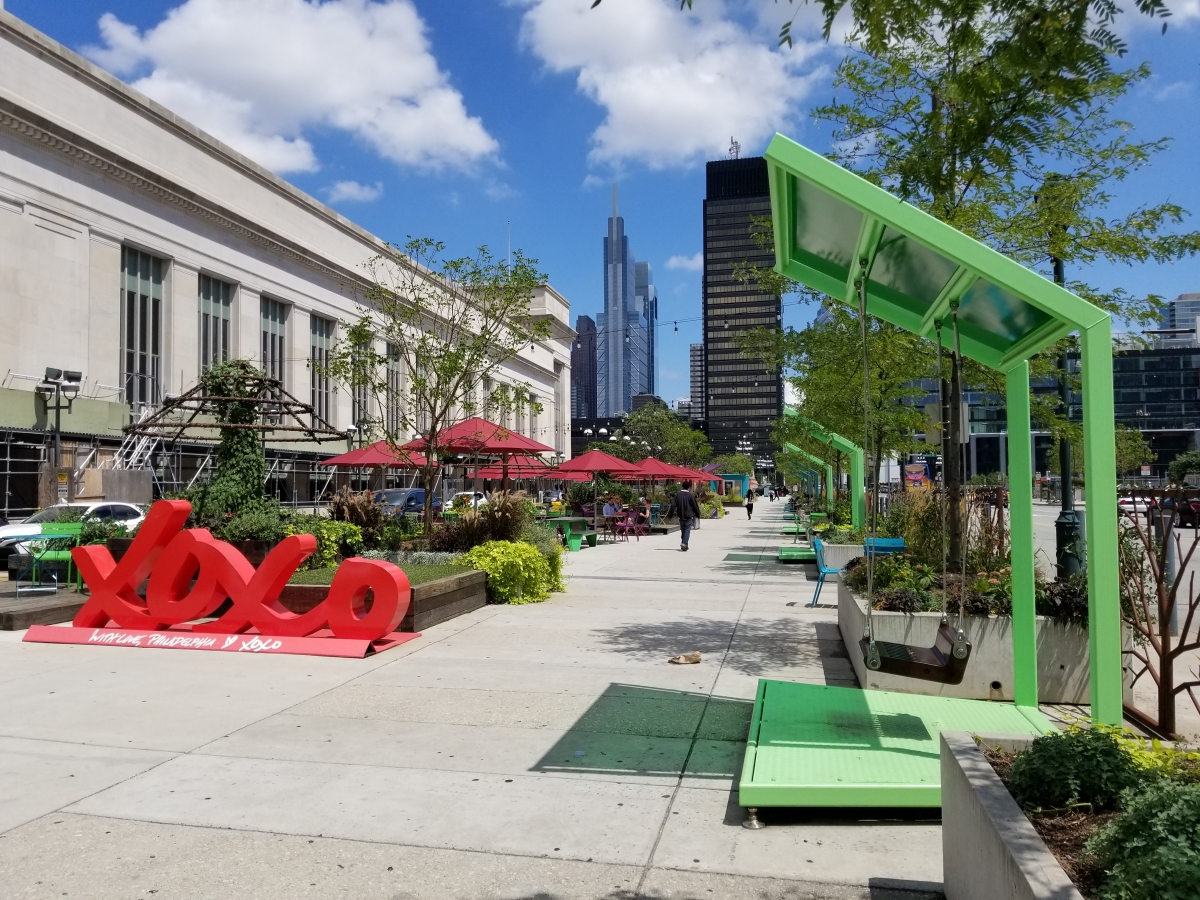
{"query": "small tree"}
(431, 336)
(734, 464)
(1154, 593)
(655, 431)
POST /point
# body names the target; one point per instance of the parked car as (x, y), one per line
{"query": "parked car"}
(128, 514)
(1189, 511)
(474, 499)
(399, 501)
(1133, 506)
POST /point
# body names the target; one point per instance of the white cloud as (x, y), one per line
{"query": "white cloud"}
(693, 263)
(675, 86)
(353, 192)
(258, 74)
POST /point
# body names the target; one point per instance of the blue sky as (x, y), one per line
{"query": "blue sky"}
(453, 119)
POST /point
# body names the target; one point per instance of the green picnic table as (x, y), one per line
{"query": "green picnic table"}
(576, 529)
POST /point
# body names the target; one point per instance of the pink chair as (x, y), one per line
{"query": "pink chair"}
(631, 526)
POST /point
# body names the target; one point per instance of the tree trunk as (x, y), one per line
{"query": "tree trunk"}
(952, 458)
(428, 474)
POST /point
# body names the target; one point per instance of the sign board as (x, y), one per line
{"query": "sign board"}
(189, 575)
(63, 486)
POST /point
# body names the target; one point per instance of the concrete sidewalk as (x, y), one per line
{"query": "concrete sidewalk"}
(543, 751)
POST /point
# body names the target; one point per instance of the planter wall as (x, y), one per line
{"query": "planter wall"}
(1062, 653)
(432, 602)
(989, 849)
(837, 555)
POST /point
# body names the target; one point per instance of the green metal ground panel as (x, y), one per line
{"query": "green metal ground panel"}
(797, 554)
(817, 745)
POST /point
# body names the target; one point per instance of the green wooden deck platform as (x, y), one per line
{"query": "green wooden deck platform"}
(817, 745)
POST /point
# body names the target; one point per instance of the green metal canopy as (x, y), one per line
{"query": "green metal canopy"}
(816, 461)
(835, 232)
(858, 495)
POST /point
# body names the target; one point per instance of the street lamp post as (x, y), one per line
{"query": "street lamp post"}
(1067, 527)
(61, 384)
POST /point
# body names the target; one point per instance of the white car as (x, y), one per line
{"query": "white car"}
(1133, 506)
(128, 514)
(474, 499)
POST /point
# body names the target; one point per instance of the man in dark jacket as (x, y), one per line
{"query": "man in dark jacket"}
(685, 506)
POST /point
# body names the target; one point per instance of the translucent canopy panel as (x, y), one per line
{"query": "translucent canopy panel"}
(833, 228)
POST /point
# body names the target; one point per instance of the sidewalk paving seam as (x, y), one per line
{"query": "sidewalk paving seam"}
(662, 827)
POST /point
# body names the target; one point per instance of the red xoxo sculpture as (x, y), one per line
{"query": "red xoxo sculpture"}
(191, 574)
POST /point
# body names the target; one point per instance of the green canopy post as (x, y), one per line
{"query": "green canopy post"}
(839, 234)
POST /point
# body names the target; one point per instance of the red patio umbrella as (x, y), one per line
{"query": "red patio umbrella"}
(597, 462)
(526, 467)
(377, 454)
(479, 437)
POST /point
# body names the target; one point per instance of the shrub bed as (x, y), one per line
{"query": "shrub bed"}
(1120, 813)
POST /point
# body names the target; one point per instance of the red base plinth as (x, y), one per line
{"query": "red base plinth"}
(181, 637)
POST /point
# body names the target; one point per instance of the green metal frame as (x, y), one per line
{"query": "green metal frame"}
(836, 232)
(858, 494)
(816, 461)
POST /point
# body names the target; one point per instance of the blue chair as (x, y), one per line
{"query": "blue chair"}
(822, 570)
(883, 546)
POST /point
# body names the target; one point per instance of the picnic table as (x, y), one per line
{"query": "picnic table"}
(42, 551)
(575, 530)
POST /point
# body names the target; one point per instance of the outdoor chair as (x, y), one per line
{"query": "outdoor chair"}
(883, 546)
(822, 570)
(631, 526)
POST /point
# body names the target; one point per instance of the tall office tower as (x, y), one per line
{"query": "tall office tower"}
(622, 332)
(696, 410)
(743, 397)
(643, 289)
(583, 369)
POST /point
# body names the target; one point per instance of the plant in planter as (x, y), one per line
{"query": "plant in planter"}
(1120, 813)
(517, 572)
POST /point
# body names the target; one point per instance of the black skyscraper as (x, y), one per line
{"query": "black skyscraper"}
(583, 369)
(742, 397)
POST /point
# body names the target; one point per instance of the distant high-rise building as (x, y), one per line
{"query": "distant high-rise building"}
(696, 409)
(622, 330)
(742, 396)
(683, 407)
(583, 369)
(643, 290)
(1181, 312)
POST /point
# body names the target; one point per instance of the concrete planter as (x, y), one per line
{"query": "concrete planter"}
(837, 555)
(432, 602)
(990, 851)
(1062, 651)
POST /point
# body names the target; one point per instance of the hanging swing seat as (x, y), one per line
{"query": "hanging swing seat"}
(937, 663)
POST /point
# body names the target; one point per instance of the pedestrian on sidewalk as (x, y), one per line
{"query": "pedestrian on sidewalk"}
(750, 503)
(684, 505)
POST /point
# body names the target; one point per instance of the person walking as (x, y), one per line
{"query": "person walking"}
(750, 503)
(684, 505)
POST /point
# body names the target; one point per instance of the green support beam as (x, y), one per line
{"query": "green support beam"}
(816, 461)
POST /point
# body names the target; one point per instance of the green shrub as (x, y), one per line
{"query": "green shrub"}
(257, 523)
(1151, 851)
(502, 518)
(546, 540)
(840, 512)
(1077, 766)
(1066, 600)
(333, 539)
(360, 509)
(517, 572)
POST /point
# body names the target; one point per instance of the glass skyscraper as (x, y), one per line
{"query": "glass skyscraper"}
(624, 348)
